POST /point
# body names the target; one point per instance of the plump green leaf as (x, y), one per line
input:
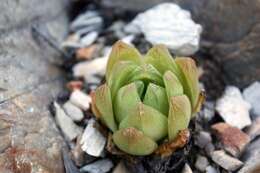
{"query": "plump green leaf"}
(147, 73)
(103, 103)
(179, 115)
(156, 97)
(120, 76)
(172, 84)
(189, 75)
(126, 101)
(133, 141)
(122, 52)
(147, 119)
(161, 59)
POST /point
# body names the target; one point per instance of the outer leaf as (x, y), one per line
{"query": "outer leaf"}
(179, 115)
(122, 52)
(161, 59)
(133, 141)
(156, 97)
(150, 121)
(126, 101)
(172, 84)
(120, 76)
(94, 106)
(103, 102)
(147, 73)
(189, 74)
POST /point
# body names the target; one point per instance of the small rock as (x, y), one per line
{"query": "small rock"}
(186, 169)
(90, 70)
(117, 28)
(233, 108)
(88, 21)
(128, 39)
(89, 39)
(100, 166)
(254, 130)
(70, 130)
(168, 24)
(209, 148)
(86, 53)
(93, 142)
(252, 95)
(72, 41)
(211, 169)
(80, 99)
(69, 165)
(232, 138)
(202, 139)
(225, 161)
(201, 163)
(120, 168)
(74, 112)
(252, 158)
(208, 111)
(78, 153)
(74, 85)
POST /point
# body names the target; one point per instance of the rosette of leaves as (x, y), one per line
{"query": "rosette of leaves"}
(147, 99)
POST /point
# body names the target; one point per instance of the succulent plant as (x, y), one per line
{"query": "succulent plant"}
(146, 99)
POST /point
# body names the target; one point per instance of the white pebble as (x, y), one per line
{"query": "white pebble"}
(92, 141)
(168, 24)
(73, 111)
(233, 108)
(80, 99)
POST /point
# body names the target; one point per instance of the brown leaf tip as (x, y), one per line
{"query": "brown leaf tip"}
(132, 133)
(166, 149)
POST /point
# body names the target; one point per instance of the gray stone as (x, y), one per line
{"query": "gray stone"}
(233, 108)
(251, 157)
(201, 163)
(92, 141)
(254, 130)
(74, 112)
(117, 27)
(100, 166)
(21, 13)
(209, 148)
(252, 95)
(225, 161)
(87, 22)
(168, 24)
(186, 169)
(211, 169)
(69, 165)
(208, 111)
(202, 139)
(29, 80)
(68, 127)
(135, 5)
